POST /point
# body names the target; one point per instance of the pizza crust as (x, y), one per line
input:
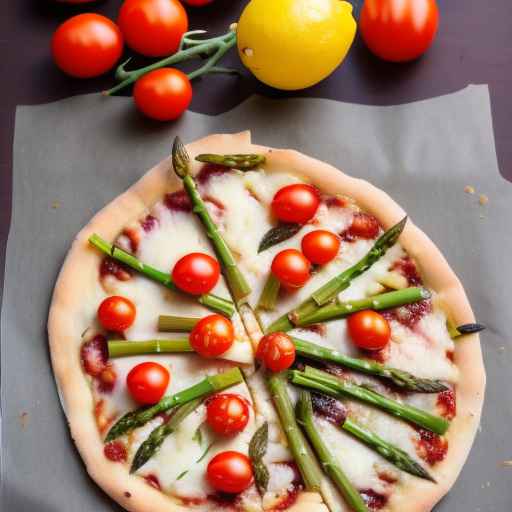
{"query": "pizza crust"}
(67, 322)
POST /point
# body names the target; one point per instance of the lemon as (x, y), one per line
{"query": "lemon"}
(293, 44)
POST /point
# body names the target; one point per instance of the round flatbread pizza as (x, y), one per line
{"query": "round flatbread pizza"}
(251, 329)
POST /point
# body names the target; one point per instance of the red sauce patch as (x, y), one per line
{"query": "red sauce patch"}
(410, 314)
(431, 447)
(335, 202)
(214, 201)
(94, 355)
(118, 270)
(408, 269)
(149, 223)
(363, 225)
(450, 354)
(226, 500)
(293, 490)
(178, 201)
(373, 500)
(153, 481)
(208, 171)
(133, 236)
(329, 408)
(115, 451)
(320, 329)
(387, 476)
(447, 404)
(107, 379)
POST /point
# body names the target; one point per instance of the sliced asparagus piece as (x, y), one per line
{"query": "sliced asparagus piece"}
(332, 288)
(152, 444)
(319, 380)
(398, 377)
(304, 412)
(141, 416)
(120, 348)
(240, 162)
(169, 323)
(268, 298)
(218, 304)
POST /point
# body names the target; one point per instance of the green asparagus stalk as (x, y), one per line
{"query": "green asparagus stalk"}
(304, 412)
(321, 381)
(240, 162)
(121, 348)
(152, 444)
(237, 284)
(332, 288)
(268, 298)
(218, 304)
(169, 323)
(387, 300)
(400, 378)
(141, 416)
(301, 451)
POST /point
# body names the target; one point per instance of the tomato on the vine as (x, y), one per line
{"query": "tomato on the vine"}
(291, 268)
(227, 413)
(153, 28)
(296, 203)
(399, 30)
(230, 472)
(116, 313)
(212, 336)
(196, 273)
(369, 330)
(147, 382)
(87, 45)
(276, 351)
(320, 246)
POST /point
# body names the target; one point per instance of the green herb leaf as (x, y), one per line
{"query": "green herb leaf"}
(278, 234)
(181, 475)
(204, 453)
(198, 436)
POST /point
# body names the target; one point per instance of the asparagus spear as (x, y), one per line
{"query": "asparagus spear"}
(332, 288)
(120, 348)
(223, 306)
(237, 284)
(398, 377)
(152, 444)
(321, 381)
(169, 323)
(269, 294)
(301, 451)
(240, 162)
(207, 386)
(387, 300)
(304, 412)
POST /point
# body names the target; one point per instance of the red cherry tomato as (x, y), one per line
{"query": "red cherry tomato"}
(399, 30)
(369, 330)
(291, 268)
(212, 336)
(296, 203)
(227, 413)
(87, 45)
(198, 3)
(320, 246)
(116, 313)
(196, 273)
(147, 382)
(230, 472)
(276, 351)
(153, 28)
(163, 94)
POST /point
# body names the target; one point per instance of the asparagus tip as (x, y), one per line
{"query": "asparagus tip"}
(180, 158)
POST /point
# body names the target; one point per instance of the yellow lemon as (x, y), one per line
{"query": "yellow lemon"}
(293, 44)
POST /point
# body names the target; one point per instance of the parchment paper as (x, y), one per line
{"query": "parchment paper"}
(74, 156)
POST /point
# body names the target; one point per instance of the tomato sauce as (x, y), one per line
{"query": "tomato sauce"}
(110, 266)
(410, 314)
(149, 223)
(178, 201)
(153, 481)
(447, 404)
(208, 171)
(408, 269)
(373, 499)
(431, 447)
(115, 451)
(363, 225)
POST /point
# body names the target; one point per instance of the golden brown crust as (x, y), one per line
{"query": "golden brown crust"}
(67, 321)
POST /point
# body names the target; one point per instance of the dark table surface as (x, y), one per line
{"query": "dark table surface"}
(474, 45)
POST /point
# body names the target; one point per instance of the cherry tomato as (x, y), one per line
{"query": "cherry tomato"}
(291, 268)
(198, 3)
(153, 28)
(212, 336)
(230, 472)
(196, 273)
(296, 203)
(369, 330)
(116, 313)
(147, 382)
(399, 30)
(320, 246)
(87, 45)
(276, 351)
(227, 413)
(163, 94)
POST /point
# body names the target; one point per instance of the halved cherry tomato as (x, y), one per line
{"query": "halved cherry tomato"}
(196, 273)
(291, 268)
(399, 30)
(87, 45)
(212, 336)
(147, 382)
(320, 246)
(116, 313)
(369, 330)
(276, 351)
(296, 203)
(153, 28)
(227, 413)
(230, 472)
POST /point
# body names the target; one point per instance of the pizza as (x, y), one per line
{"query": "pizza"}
(250, 329)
